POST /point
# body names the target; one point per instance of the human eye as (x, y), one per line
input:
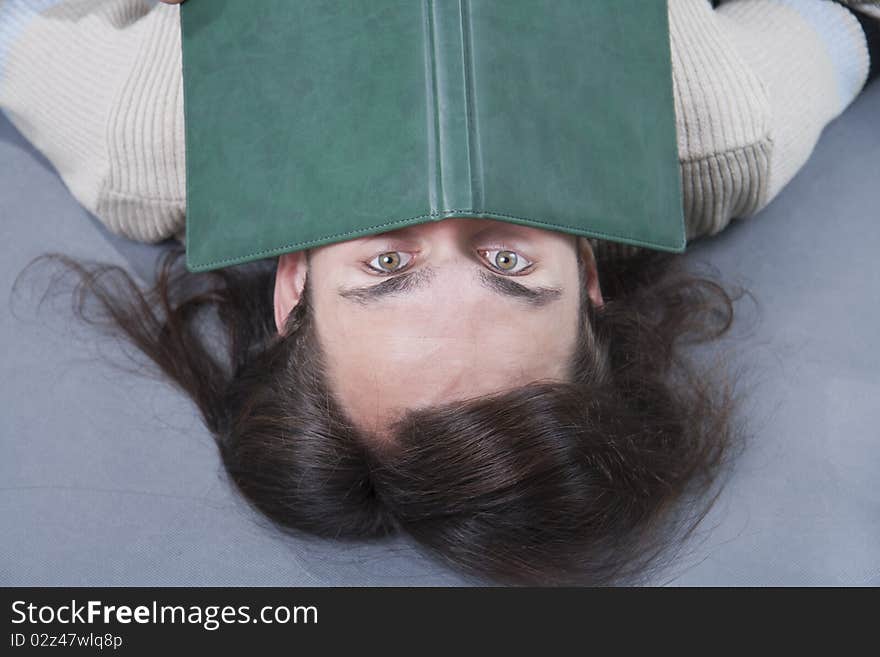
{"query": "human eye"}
(506, 261)
(390, 262)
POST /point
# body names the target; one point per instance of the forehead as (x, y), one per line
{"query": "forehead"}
(450, 343)
(401, 361)
(449, 300)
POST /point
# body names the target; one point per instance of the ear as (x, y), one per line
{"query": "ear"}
(290, 278)
(592, 273)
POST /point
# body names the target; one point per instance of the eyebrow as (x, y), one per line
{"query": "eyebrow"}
(536, 297)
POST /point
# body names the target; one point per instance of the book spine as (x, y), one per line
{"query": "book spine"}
(454, 149)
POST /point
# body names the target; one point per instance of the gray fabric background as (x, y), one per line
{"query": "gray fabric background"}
(110, 479)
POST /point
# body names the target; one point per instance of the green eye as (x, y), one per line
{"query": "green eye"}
(390, 262)
(507, 261)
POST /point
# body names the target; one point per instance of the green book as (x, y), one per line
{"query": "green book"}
(310, 122)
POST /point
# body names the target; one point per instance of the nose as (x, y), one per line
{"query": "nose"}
(448, 239)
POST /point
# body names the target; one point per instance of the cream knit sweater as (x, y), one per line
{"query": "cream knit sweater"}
(96, 86)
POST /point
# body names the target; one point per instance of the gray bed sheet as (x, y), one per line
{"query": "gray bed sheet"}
(111, 479)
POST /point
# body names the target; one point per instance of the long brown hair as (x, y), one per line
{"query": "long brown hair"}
(586, 481)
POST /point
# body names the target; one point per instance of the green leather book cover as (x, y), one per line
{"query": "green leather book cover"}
(317, 121)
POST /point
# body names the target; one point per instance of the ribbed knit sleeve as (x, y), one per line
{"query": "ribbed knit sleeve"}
(145, 196)
(755, 82)
(96, 85)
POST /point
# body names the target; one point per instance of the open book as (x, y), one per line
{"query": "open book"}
(318, 121)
